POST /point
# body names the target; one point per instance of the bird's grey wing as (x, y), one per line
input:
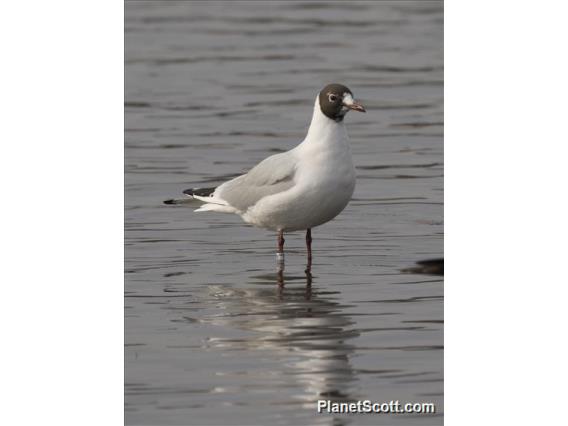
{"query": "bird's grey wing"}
(273, 175)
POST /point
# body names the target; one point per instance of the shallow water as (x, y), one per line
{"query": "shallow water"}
(211, 338)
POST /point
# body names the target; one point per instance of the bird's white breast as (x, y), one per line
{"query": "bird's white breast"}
(324, 181)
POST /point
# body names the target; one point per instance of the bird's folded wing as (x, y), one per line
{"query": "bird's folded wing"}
(271, 176)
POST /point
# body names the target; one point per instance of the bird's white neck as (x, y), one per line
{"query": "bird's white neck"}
(325, 131)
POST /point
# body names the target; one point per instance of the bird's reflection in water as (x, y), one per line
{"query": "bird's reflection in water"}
(304, 328)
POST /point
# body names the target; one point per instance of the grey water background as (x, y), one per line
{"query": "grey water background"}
(211, 338)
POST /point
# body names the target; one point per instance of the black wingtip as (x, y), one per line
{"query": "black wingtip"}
(172, 201)
(202, 192)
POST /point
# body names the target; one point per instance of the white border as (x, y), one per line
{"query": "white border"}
(62, 205)
(506, 217)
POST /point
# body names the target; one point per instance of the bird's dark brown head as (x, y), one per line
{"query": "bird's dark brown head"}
(336, 100)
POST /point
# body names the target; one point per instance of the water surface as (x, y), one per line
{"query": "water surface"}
(211, 338)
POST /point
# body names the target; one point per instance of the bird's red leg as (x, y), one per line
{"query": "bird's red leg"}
(280, 252)
(309, 247)
(281, 242)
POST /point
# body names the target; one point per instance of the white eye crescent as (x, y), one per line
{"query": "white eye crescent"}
(332, 98)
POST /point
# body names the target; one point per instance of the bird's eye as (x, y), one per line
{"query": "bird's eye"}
(332, 98)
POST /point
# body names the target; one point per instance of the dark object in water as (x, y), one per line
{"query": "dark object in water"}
(430, 267)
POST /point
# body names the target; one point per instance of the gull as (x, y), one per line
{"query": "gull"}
(298, 189)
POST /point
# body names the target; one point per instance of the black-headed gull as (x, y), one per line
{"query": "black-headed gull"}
(298, 189)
